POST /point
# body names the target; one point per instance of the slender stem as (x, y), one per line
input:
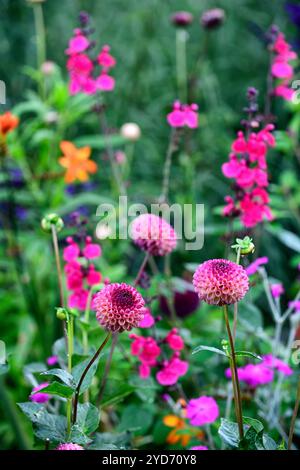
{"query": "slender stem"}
(40, 40)
(181, 69)
(108, 366)
(294, 417)
(235, 379)
(167, 167)
(77, 391)
(235, 307)
(70, 326)
(58, 265)
(141, 270)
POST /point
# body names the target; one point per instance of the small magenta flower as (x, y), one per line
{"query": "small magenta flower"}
(199, 448)
(69, 446)
(119, 307)
(277, 290)
(220, 282)
(153, 234)
(202, 410)
(254, 267)
(40, 397)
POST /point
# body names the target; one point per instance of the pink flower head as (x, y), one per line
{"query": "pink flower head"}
(295, 304)
(93, 277)
(274, 362)
(277, 290)
(69, 446)
(80, 64)
(253, 267)
(40, 397)
(105, 59)
(199, 448)
(183, 115)
(78, 299)
(146, 349)
(220, 282)
(191, 116)
(254, 375)
(72, 251)
(144, 370)
(52, 360)
(177, 117)
(148, 320)
(281, 69)
(174, 341)
(202, 410)
(91, 250)
(153, 234)
(77, 44)
(119, 307)
(172, 370)
(105, 82)
(284, 92)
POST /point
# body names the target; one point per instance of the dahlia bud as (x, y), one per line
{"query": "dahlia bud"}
(61, 313)
(52, 220)
(220, 282)
(153, 234)
(69, 446)
(119, 307)
(245, 246)
(182, 18)
(212, 18)
(131, 131)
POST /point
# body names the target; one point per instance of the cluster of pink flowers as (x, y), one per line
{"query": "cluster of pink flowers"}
(84, 77)
(149, 352)
(80, 272)
(255, 375)
(281, 68)
(202, 410)
(247, 165)
(183, 115)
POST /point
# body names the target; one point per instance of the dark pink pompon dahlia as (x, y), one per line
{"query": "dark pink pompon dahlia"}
(119, 307)
(153, 234)
(69, 446)
(220, 282)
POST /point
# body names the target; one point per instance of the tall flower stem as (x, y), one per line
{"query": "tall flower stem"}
(173, 144)
(40, 41)
(234, 375)
(70, 335)
(181, 68)
(58, 265)
(77, 391)
(294, 416)
(141, 270)
(235, 306)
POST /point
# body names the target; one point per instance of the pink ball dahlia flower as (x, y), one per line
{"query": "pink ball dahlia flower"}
(119, 307)
(220, 282)
(153, 234)
(69, 446)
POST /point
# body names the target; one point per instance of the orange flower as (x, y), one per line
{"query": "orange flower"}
(8, 122)
(181, 432)
(76, 161)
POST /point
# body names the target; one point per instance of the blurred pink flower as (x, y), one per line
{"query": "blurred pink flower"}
(199, 448)
(153, 234)
(253, 267)
(148, 320)
(105, 59)
(277, 290)
(174, 341)
(52, 360)
(69, 446)
(202, 410)
(40, 397)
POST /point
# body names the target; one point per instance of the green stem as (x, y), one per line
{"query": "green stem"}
(40, 42)
(58, 265)
(70, 326)
(294, 417)
(234, 375)
(181, 69)
(141, 270)
(77, 391)
(108, 366)
(235, 307)
(85, 338)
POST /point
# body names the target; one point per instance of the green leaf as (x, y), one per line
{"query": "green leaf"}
(143, 418)
(249, 441)
(248, 354)
(229, 433)
(208, 348)
(250, 316)
(77, 435)
(145, 389)
(56, 388)
(46, 425)
(289, 239)
(255, 423)
(63, 375)
(269, 443)
(88, 417)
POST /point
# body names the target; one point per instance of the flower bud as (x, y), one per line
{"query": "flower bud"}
(131, 131)
(182, 18)
(52, 220)
(61, 313)
(245, 246)
(212, 18)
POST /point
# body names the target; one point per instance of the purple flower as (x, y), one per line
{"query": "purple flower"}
(253, 267)
(39, 397)
(52, 360)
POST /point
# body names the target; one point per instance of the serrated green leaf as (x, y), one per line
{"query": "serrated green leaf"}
(229, 433)
(88, 417)
(63, 375)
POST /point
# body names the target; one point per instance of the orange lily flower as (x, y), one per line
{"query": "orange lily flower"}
(181, 432)
(76, 161)
(8, 122)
